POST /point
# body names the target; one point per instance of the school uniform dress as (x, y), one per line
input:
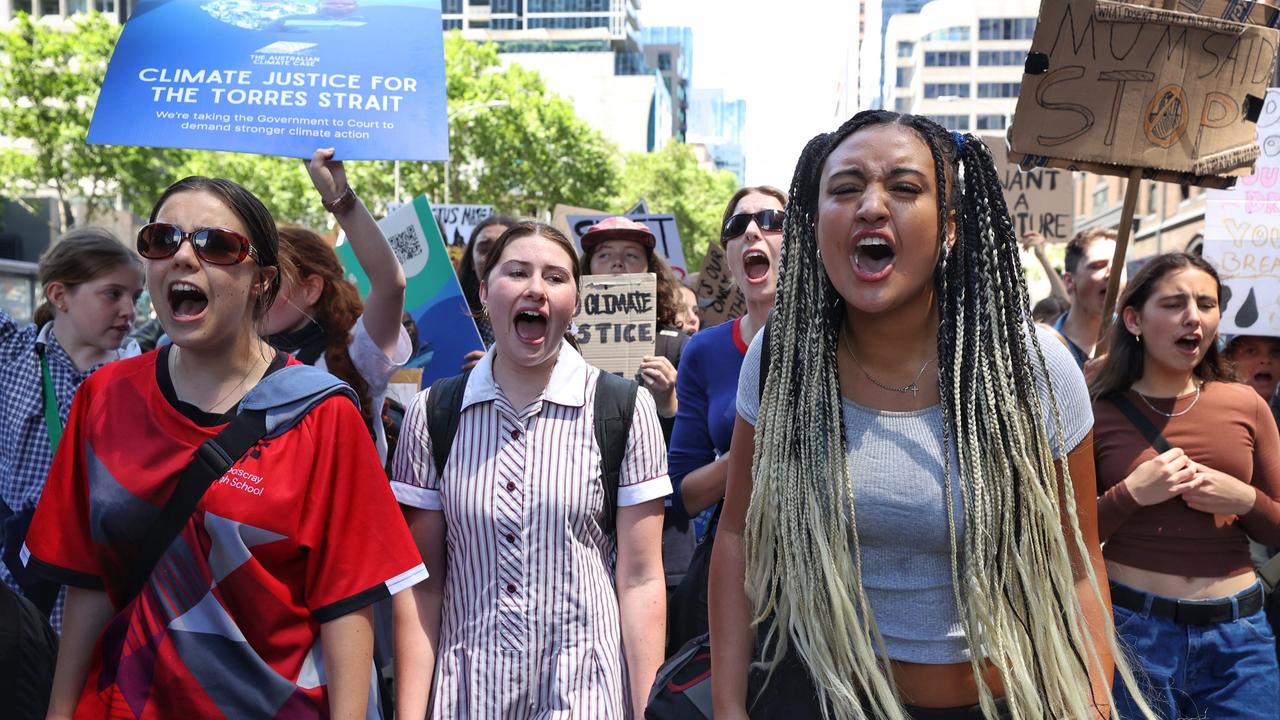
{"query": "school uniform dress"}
(300, 531)
(25, 451)
(530, 626)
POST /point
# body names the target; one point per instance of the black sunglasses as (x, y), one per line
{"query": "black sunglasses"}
(214, 245)
(737, 224)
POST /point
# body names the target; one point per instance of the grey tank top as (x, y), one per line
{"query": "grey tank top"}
(895, 462)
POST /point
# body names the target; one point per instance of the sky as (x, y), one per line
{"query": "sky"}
(786, 59)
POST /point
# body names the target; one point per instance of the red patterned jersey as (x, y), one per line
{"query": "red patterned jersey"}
(302, 530)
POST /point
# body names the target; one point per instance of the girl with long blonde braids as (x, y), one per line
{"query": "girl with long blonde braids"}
(914, 535)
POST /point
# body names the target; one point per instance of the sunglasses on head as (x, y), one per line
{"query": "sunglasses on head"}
(214, 245)
(738, 224)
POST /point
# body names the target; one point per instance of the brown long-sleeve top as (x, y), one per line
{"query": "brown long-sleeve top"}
(1231, 430)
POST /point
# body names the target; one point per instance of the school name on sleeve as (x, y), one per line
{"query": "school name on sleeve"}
(278, 88)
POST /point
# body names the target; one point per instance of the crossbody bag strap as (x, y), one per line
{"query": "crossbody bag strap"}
(212, 459)
(1141, 422)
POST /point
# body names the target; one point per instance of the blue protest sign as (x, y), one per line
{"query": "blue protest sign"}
(279, 77)
(433, 297)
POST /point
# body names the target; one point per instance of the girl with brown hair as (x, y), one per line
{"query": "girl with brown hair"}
(546, 596)
(89, 283)
(1188, 472)
(319, 317)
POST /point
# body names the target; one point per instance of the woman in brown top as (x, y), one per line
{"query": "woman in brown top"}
(1189, 470)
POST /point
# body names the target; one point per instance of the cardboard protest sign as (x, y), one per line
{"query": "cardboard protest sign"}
(279, 78)
(1040, 200)
(459, 221)
(1242, 236)
(719, 297)
(1113, 85)
(664, 229)
(560, 217)
(433, 297)
(618, 323)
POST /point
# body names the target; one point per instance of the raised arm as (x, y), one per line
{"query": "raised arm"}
(385, 304)
(731, 637)
(1034, 242)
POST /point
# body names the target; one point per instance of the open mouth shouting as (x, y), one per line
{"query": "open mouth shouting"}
(756, 264)
(1188, 344)
(1263, 378)
(531, 325)
(187, 303)
(873, 255)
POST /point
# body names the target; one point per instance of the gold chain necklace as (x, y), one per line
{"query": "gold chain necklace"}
(1180, 413)
(913, 387)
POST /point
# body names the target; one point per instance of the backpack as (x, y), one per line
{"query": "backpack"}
(615, 403)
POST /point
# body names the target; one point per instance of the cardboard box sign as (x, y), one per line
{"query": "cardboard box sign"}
(1111, 86)
(1242, 237)
(719, 297)
(618, 323)
(1040, 200)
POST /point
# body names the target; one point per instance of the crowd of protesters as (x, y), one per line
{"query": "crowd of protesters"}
(889, 489)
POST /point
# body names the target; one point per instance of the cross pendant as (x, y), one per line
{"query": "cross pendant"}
(913, 388)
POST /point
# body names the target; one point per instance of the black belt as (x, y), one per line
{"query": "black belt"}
(1188, 612)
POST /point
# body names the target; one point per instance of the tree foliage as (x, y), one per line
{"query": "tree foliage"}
(514, 144)
(671, 181)
(49, 77)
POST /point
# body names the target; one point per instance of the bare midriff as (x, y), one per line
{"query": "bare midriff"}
(942, 686)
(1179, 586)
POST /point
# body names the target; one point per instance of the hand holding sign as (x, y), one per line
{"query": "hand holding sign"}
(328, 175)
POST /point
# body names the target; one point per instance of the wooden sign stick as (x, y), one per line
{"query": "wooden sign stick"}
(1132, 184)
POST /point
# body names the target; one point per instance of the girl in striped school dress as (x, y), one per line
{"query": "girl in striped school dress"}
(534, 608)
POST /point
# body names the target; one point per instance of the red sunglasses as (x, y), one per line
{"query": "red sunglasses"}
(214, 245)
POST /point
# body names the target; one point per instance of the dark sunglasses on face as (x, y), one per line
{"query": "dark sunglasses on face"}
(214, 245)
(737, 224)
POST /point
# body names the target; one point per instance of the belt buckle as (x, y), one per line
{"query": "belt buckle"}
(1190, 613)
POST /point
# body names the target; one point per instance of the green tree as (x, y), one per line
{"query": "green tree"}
(513, 143)
(48, 79)
(671, 181)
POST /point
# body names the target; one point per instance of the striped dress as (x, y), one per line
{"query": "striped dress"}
(530, 626)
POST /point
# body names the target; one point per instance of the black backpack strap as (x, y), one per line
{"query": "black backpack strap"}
(443, 408)
(1141, 422)
(212, 459)
(615, 404)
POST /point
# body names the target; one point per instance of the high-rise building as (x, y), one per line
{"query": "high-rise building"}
(959, 61)
(119, 9)
(670, 51)
(588, 51)
(719, 124)
(874, 25)
(618, 18)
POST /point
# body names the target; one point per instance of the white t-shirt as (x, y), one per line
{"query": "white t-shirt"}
(376, 369)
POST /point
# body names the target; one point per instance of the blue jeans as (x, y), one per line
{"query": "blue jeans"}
(1222, 671)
